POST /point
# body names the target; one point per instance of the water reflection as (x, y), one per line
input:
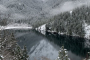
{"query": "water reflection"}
(43, 50)
(46, 47)
(76, 45)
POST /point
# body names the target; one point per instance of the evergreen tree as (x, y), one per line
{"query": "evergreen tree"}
(20, 54)
(63, 55)
(25, 56)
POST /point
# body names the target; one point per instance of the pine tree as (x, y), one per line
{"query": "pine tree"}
(20, 54)
(25, 56)
(0, 47)
(63, 54)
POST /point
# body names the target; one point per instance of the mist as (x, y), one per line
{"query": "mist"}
(26, 9)
(69, 6)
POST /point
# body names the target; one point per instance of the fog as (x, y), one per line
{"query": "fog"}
(69, 6)
(3, 9)
(17, 16)
(26, 9)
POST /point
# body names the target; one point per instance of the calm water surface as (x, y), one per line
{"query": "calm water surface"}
(46, 47)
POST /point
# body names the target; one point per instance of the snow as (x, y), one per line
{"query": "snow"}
(58, 57)
(87, 34)
(61, 33)
(21, 27)
(70, 12)
(16, 26)
(87, 43)
(42, 29)
(2, 56)
(87, 30)
(20, 4)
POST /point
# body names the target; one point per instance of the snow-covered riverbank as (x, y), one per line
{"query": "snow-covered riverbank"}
(16, 26)
(42, 29)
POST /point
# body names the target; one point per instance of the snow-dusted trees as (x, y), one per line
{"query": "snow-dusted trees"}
(1, 45)
(88, 58)
(9, 49)
(25, 56)
(63, 55)
(20, 54)
(3, 22)
(72, 24)
(0, 48)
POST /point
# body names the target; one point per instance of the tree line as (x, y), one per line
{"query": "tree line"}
(71, 23)
(9, 49)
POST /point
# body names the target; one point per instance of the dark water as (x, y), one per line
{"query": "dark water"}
(46, 47)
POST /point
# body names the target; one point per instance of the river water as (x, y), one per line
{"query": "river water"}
(46, 47)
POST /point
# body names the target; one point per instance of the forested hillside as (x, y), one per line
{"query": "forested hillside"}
(72, 22)
(9, 49)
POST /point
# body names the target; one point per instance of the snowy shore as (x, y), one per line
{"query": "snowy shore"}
(16, 26)
(42, 29)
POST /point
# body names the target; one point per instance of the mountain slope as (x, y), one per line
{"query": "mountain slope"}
(31, 10)
(72, 23)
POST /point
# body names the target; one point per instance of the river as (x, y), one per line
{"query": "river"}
(46, 47)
